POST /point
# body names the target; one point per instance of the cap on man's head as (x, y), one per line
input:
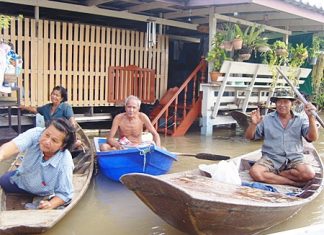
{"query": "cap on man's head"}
(282, 94)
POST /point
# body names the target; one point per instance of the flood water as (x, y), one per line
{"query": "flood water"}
(109, 208)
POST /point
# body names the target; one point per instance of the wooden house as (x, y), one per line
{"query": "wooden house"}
(102, 51)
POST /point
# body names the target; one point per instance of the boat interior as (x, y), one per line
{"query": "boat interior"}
(82, 159)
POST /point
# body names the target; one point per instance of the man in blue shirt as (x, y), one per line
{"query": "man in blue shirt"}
(47, 166)
(282, 149)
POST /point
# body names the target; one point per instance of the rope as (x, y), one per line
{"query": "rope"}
(143, 152)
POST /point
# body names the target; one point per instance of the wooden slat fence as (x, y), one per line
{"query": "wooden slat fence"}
(77, 56)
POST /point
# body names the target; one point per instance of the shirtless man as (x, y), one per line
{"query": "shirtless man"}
(130, 125)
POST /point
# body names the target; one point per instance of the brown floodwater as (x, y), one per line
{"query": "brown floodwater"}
(110, 208)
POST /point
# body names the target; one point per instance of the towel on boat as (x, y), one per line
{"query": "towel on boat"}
(260, 186)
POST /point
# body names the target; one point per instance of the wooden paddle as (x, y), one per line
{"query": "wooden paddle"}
(205, 156)
(300, 96)
(241, 118)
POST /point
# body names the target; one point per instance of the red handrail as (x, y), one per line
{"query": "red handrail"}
(183, 90)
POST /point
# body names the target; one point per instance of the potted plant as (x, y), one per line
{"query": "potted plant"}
(228, 36)
(250, 37)
(280, 48)
(314, 50)
(216, 56)
(238, 40)
(262, 45)
(298, 55)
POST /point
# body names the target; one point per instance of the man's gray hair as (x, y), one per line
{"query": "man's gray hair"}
(133, 97)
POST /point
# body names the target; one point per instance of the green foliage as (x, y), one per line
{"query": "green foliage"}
(279, 45)
(5, 20)
(319, 101)
(229, 32)
(316, 47)
(217, 54)
(272, 58)
(261, 42)
(238, 31)
(251, 35)
(298, 55)
(294, 59)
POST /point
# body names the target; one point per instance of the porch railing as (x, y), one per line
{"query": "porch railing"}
(177, 108)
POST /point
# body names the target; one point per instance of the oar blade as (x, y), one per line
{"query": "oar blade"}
(210, 156)
(241, 118)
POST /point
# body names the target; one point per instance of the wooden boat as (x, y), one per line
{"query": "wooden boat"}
(197, 204)
(15, 219)
(148, 159)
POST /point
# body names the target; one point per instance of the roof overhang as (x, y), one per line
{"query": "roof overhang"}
(284, 15)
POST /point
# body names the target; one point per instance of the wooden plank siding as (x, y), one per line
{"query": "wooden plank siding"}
(78, 56)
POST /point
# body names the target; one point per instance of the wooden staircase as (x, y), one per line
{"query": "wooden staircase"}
(180, 107)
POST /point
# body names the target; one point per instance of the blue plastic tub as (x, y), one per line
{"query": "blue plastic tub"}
(149, 159)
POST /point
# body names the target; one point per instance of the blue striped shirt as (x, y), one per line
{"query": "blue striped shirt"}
(43, 178)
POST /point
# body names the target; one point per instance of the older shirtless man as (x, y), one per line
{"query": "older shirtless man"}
(130, 125)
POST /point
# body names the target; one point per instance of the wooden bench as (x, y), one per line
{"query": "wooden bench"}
(243, 86)
(130, 80)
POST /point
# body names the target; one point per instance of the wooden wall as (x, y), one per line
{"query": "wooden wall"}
(77, 56)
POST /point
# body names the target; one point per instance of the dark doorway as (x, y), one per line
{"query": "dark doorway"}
(183, 58)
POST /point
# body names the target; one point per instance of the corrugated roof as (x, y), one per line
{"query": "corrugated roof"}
(315, 4)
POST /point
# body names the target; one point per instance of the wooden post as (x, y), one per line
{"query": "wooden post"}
(212, 32)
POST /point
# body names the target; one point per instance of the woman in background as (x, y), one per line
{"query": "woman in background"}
(58, 108)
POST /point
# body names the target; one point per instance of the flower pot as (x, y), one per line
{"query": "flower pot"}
(312, 60)
(228, 46)
(303, 56)
(214, 76)
(237, 43)
(263, 49)
(281, 52)
(245, 50)
(244, 57)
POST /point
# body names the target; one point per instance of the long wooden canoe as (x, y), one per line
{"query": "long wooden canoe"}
(197, 204)
(15, 219)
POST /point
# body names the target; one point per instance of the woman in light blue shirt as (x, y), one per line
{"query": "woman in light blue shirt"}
(47, 166)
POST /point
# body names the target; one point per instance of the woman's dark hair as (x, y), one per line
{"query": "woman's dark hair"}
(66, 127)
(62, 91)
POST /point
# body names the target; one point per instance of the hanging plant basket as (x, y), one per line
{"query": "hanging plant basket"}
(312, 60)
(244, 56)
(281, 52)
(303, 56)
(237, 43)
(228, 46)
(263, 49)
(245, 50)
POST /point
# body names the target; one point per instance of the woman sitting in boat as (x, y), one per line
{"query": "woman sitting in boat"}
(129, 126)
(58, 108)
(282, 159)
(47, 166)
